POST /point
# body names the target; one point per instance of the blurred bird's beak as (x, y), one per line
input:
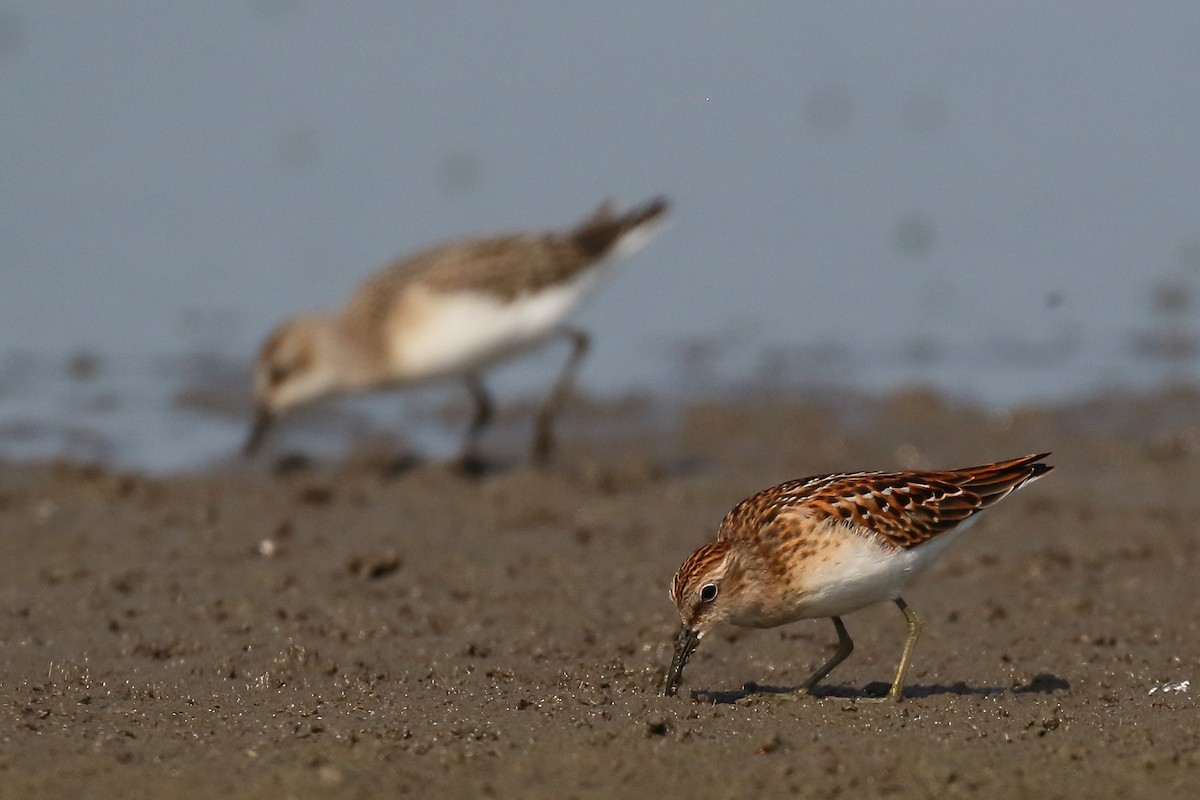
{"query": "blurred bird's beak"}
(258, 431)
(685, 644)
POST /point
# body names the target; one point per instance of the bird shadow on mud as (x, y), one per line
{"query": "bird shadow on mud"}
(1042, 683)
(392, 466)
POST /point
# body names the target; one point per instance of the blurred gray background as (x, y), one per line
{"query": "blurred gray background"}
(1001, 201)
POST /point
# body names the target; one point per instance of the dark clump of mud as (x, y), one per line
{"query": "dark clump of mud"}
(355, 630)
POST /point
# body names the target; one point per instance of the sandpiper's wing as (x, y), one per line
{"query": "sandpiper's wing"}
(498, 266)
(902, 508)
(508, 265)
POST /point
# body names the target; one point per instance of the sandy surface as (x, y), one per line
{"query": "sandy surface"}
(343, 630)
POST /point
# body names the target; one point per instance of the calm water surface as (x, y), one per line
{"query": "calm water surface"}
(1000, 202)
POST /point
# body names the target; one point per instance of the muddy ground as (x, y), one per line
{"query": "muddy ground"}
(351, 629)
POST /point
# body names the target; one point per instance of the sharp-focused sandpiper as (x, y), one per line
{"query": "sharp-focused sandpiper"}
(452, 311)
(831, 544)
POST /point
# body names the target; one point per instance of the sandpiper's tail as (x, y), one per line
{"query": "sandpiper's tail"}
(607, 233)
(994, 482)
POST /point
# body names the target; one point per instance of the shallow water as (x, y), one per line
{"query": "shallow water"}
(997, 203)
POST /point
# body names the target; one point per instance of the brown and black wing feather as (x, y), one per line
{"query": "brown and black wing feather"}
(903, 508)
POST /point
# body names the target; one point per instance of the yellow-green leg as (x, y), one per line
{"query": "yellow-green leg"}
(913, 631)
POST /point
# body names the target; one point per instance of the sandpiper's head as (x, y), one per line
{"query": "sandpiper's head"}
(707, 590)
(298, 363)
(702, 589)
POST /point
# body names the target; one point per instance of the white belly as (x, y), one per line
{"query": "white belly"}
(849, 572)
(462, 332)
(863, 573)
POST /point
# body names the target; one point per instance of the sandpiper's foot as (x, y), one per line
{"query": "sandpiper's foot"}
(894, 695)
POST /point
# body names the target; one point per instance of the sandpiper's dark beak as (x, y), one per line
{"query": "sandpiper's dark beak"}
(685, 644)
(258, 431)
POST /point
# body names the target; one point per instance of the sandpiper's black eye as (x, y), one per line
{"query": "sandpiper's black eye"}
(277, 374)
(708, 593)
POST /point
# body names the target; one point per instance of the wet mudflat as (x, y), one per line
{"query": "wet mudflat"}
(349, 629)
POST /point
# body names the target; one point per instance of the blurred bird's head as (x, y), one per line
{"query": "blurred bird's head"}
(298, 363)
